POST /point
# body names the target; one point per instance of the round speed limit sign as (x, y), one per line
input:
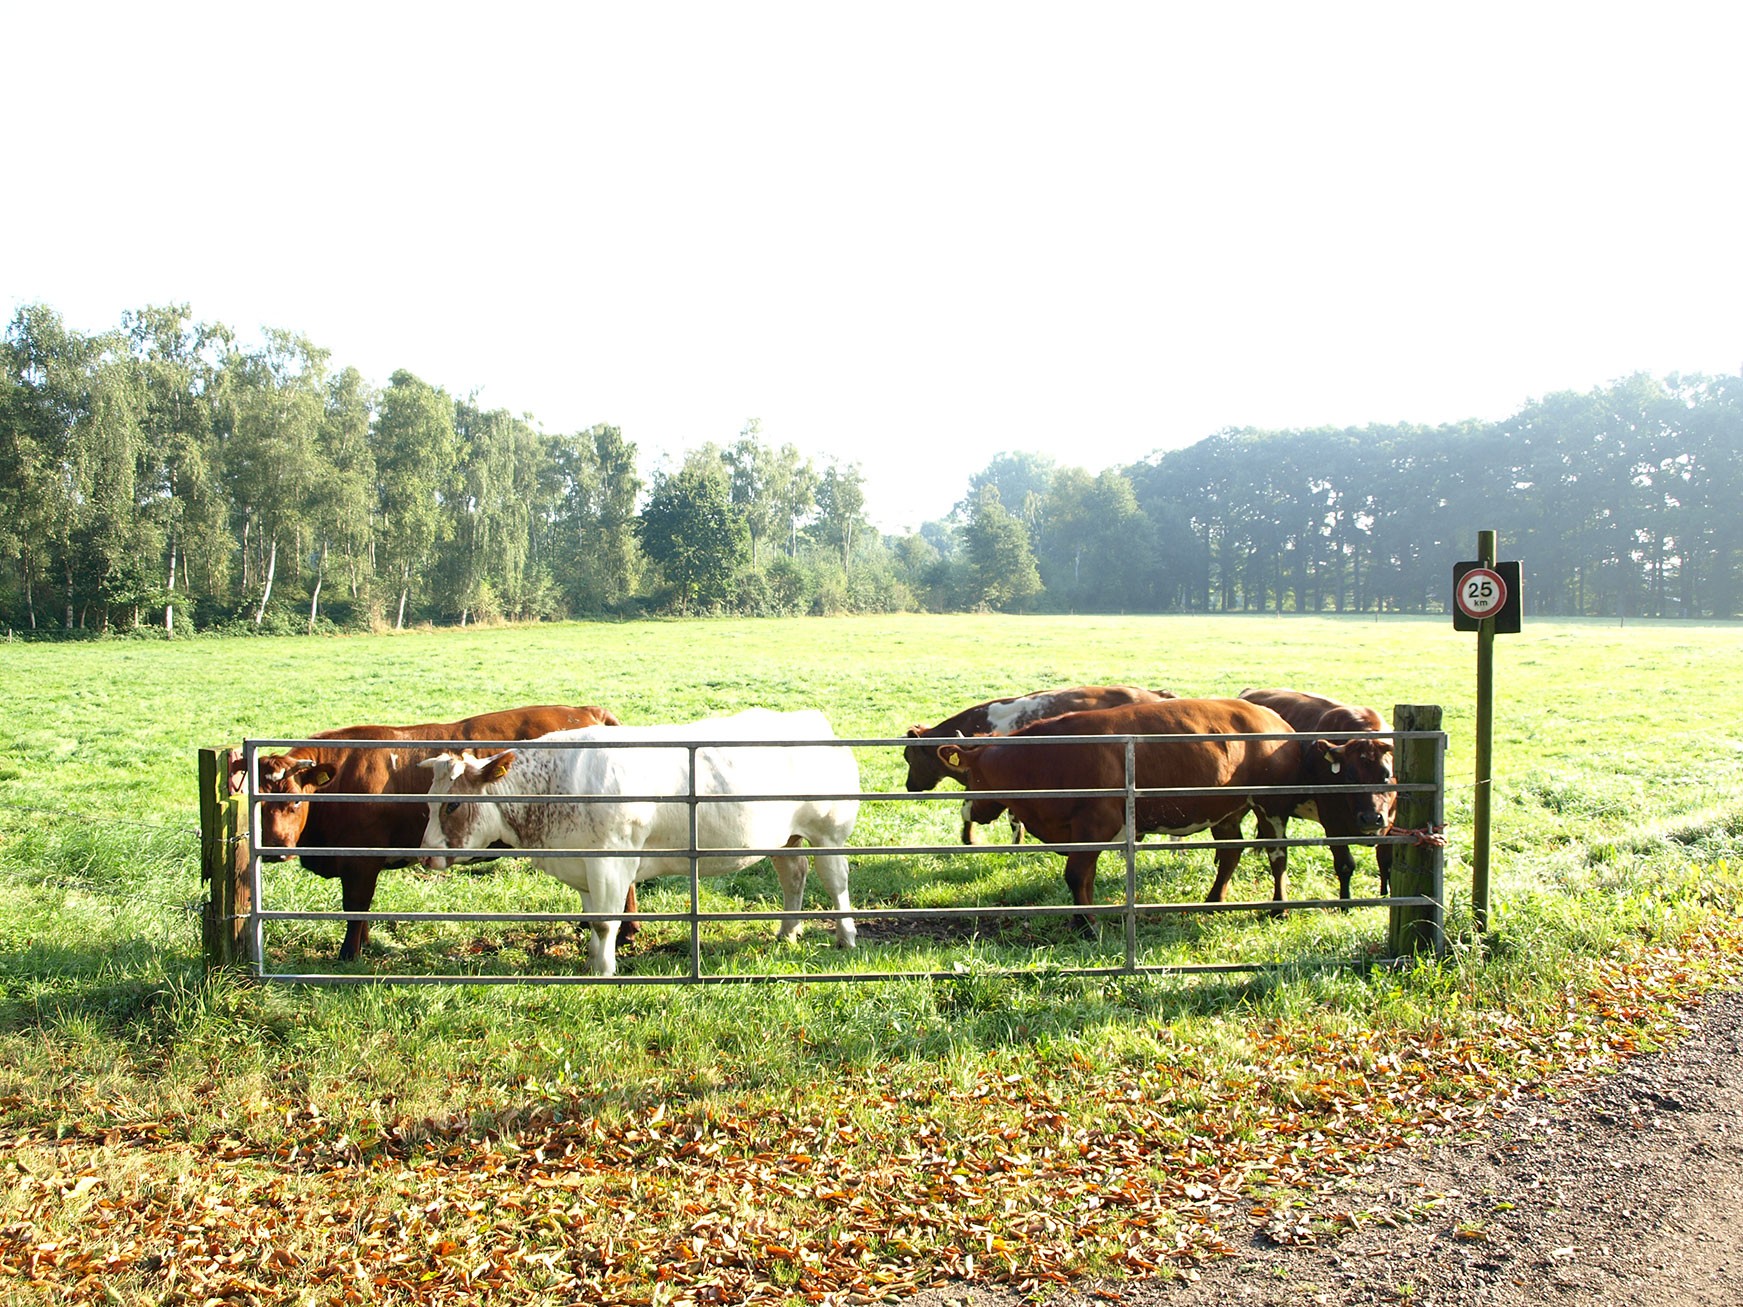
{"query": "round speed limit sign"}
(1481, 593)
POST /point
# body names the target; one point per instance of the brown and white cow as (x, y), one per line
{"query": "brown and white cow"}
(334, 769)
(1227, 768)
(813, 791)
(1341, 762)
(1001, 717)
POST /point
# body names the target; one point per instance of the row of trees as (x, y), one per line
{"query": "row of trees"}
(168, 474)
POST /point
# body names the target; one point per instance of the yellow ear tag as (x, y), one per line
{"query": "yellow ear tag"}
(954, 758)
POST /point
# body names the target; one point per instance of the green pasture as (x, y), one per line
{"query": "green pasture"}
(1618, 813)
(1600, 759)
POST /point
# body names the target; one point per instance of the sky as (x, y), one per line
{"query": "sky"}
(907, 236)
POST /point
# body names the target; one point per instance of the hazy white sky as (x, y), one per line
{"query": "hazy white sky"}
(907, 235)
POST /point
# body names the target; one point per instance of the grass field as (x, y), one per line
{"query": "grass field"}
(736, 1142)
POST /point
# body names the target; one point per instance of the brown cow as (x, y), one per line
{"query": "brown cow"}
(1228, 767)
(1001, 717)
(332, 769)
(1344, 762)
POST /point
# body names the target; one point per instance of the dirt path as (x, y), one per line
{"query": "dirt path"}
(1628, 1191)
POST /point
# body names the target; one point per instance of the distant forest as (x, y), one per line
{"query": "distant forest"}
(167, 476)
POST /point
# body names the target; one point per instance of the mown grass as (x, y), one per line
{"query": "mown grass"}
(1618, 819)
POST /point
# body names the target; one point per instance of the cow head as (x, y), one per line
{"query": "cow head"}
(924, 768)
(1354, 762)
(282, 824)
(458, 825)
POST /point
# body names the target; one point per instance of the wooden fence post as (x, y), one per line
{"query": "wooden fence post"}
(225, 938)
(1419, 868)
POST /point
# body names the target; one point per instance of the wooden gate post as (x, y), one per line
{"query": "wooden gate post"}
(225, 938)
(1419, 868)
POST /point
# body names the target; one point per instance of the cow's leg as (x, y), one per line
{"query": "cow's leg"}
(832, 871)
(609, 881)
(1080, 882)
(1016, 830)
(968, 833)
(356, 894)
(1383, 859)
(1227, 859)
(791, 873)
(1274, 828)
(627, 928)
(1343, 862)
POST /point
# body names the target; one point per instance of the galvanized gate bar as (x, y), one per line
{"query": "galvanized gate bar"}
(831, 914)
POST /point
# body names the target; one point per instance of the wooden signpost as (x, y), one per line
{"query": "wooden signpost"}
(1487, 599)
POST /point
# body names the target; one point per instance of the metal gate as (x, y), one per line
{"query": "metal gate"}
(237, 913)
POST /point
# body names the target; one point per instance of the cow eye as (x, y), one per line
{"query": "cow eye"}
(449, 809)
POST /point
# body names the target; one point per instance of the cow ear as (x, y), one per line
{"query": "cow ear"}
(950, 755)
(317, 775)
(238, 771)
(1332, 753)
(494, 769)
(444, 763)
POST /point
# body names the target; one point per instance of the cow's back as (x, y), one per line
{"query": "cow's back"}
(1006, 716)
(642, 774)
(1223, 767)
(1003, 716)
(1161, 763)
(370, 770)
(1313, 712)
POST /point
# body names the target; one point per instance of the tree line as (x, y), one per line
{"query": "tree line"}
(167, 475)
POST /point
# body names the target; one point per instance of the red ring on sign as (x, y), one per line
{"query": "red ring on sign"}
(1486, 598)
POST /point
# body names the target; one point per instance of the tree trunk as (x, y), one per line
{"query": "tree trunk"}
(399, 621)
(266, 590)
(169, 603)
(315, 595)
(29, 587)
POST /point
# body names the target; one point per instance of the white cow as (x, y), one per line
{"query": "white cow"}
(637, 824)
